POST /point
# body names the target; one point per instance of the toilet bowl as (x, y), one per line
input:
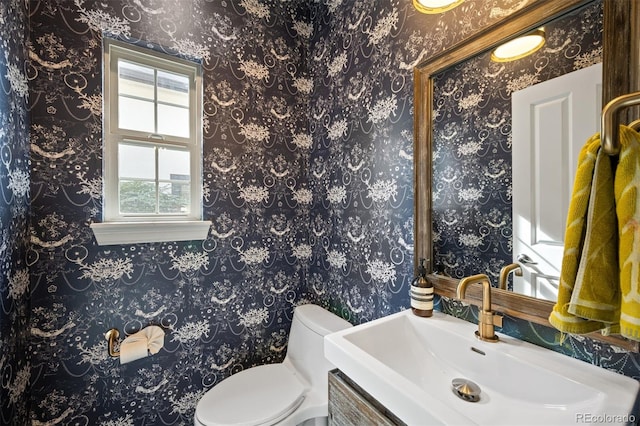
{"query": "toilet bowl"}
(290, 393)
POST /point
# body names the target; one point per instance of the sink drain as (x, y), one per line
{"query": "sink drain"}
(466, 390)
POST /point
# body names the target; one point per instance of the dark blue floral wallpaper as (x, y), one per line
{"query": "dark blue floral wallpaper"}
(308, 181)
(14, 213)
(225, 302)
(362, 59)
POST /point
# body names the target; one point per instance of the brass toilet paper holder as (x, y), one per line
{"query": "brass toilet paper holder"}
(112, 337)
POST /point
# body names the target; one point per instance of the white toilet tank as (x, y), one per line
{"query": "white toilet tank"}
(306, 342)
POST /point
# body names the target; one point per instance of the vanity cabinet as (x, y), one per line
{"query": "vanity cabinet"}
(350, 405)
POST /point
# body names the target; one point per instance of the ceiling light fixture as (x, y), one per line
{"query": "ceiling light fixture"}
(435, 6)
(519, 47)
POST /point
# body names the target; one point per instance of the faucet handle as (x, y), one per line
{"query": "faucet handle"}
(497, 320)
(486, 322)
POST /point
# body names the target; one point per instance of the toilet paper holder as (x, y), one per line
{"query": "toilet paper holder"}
(153, 336)
(112, 337)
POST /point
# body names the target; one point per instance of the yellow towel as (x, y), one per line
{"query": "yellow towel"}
(627, 193)
(596, 295)
(575, 232)
(600, 276)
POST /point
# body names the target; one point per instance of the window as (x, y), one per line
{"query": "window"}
(152, 147)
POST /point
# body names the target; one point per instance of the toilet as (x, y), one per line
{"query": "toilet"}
(290, 393)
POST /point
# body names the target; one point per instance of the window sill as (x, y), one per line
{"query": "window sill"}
(110, 233)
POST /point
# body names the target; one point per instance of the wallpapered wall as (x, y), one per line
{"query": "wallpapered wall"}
(14, 211)
(307, 179)
(362, 58)
(225, 302)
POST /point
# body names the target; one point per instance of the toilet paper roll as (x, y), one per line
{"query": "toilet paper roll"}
(145, 342)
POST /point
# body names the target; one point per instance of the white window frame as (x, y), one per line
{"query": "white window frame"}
(118, 228)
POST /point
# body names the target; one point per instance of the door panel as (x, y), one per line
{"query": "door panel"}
(551, 122)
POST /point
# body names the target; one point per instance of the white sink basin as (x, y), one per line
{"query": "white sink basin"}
(408, 363)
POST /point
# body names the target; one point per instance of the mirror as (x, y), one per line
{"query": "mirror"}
(491, 203)
(619, 77)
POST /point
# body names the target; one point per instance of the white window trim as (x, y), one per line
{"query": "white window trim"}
(121, 229)
(149, 232)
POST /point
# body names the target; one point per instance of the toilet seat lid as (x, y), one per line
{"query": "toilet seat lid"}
(256, 396)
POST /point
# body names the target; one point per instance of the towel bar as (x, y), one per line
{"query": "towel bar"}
(610, 122)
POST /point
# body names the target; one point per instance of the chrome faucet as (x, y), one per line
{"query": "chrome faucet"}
(506, 270)
(487, 319)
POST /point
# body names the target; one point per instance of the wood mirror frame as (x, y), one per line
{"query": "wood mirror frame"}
(621, 75)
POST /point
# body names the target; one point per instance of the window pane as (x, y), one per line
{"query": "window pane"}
(173, 88)
(135, 80)
(173, 121)
(136, 161)
(173, 164)
(154, 135)
(137, 197)
(135, 114)
(174, 197)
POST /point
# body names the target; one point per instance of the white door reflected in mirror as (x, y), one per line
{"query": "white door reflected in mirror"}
(551, 122)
